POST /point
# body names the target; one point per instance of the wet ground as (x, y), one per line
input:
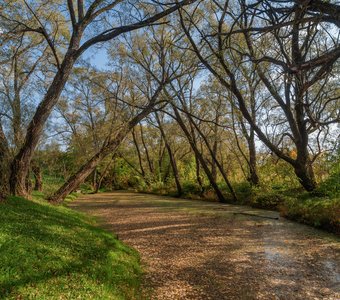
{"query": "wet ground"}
(203, 250)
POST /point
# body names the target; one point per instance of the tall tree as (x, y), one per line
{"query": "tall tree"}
(151, 71)
(297, 102)
(66, 47)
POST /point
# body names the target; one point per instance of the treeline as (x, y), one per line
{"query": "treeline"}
(219, 97)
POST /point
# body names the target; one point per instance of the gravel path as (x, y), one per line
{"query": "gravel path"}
(202, 250)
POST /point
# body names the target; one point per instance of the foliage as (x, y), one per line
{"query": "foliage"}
(49, 252)
(244, 191)
(319, 212)
(331, 186)
(191, 189)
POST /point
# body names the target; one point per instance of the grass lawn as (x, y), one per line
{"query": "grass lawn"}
(50, 252)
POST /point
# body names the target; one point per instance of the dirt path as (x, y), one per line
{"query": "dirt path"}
(200, 250)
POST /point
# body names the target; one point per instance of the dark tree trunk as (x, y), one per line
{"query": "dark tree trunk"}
(215, 146)
(94, 179)
(4, 165)
(38, 185)
(22, 160)
(304, 171)
(253, 178)
(197, 162)
(16, 108)
(29, 185)
(171, 157)
(161, 152)
(198, 174)
(199, 156)
(109, 148)
(140, 160)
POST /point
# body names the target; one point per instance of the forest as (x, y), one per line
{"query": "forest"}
(233, 102)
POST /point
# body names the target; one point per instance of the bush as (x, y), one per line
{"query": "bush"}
(331, 186)
(190, 188)
(270, 200)
(319, 212)
(243, 191)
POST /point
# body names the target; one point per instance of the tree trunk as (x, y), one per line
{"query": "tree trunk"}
(38, 185)
(199, 156)
(198, 174)
(22, 160)
(253, 178)
(94, 179)
(171, 157)
(215, 147)
(140, 160)
(304, 171)
(4, 165)
(109, 148)
(16, 109)
(197, 162)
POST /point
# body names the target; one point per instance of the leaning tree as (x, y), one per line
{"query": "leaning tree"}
(69, 29)
(293, 47)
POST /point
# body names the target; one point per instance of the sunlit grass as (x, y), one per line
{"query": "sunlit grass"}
(49, 252)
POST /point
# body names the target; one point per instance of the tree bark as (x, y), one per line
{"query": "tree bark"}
(4, 165)
(253, 178)
(38, 185)
(102, 176)
(305, 173)
(138, 153)
(21, 163)
(197, 162)
(16, 108)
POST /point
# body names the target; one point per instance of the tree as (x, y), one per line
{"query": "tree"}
(297, 104)
(150, 72)
(66, 47)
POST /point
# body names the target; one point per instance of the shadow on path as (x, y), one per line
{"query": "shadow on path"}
(202, 250)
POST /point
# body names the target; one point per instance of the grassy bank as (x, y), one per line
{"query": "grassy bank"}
(49, 252)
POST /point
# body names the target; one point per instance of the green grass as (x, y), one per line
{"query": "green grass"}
(49, 252)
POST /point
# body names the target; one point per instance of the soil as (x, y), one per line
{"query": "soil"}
(203, 250)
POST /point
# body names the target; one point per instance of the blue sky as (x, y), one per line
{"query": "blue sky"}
(97, 56)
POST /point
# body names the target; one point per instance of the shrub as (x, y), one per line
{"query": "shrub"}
(190, 188)
(319, 212)
(331, 186)
(270, 200)
(243, 191)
